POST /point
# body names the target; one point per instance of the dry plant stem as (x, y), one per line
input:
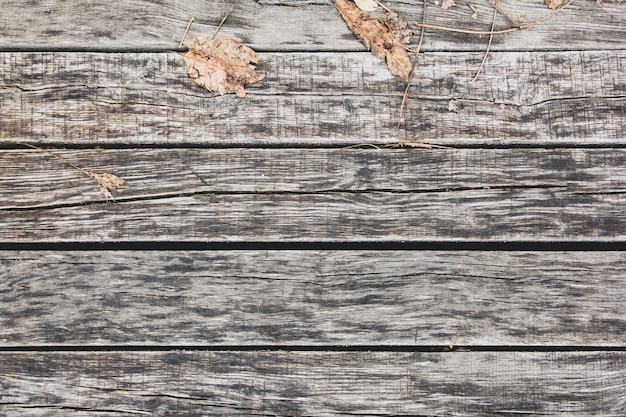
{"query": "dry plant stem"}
(493, 25)
(506, 16)
(105, 181)
(405, 97)
(224, 19)
(384, 7)
(494, 32)
(59, 157)
(187, 30)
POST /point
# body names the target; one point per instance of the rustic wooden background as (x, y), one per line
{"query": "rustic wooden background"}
(256, 262)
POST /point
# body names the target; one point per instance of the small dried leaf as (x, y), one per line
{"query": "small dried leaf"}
(553, 4)
(221, 65)
(366, 5)
(446, 4)
(377, 37)
(398, 26)
(106, 181)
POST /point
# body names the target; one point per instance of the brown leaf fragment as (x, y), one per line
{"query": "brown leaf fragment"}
(398, 26)
(377, 37)
(553, 4)
(446, 4)
(221, 65)
(106, 181)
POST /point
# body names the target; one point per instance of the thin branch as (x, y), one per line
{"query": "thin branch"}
(493, 25)
(494, 32)
(405, 97)
(506, 16)
(384, 7)
(187, 30)
(224, 19)
(106, 181)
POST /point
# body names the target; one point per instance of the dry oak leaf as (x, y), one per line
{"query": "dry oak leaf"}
(377, 37)
(221, 65)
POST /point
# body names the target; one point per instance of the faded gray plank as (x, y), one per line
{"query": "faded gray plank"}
(313, 383)
(509, 213)
(33, 178)
(562, 98)
(256, 298)
(295, 25)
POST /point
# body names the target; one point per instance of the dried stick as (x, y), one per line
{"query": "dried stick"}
(106, 181)
(405, 97)
(506, 16)
(187, 30)
(494, 32)
(224, 19)
(482, 63)
(384, 7)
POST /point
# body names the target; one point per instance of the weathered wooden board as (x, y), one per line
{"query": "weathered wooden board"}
(295, 25)
(319, 195)
(312, 383)
(501, 214)
(309, 298)
(529, 98)
(33, 178)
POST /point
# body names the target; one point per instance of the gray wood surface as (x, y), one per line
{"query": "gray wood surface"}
(319, 195)
(312, 383)
(309, 298)
(32, 178)
(318, 98)
(303, 25)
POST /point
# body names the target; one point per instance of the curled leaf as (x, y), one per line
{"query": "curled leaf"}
(398, 26)
(222, 65)
(377, 37)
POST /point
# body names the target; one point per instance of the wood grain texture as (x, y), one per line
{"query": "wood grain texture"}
(545, 214)
(295, 25)
(32, 178)
(309, 298)
(317, 98)
(312, 383)
(317, 195)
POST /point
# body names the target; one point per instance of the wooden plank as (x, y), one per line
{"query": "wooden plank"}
(295, 25)
(524, 98)
(35, 179)
(312, 383)
(503, 214)
(296, 298)
(322, 194)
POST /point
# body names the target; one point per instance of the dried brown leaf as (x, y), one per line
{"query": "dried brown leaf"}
(398, 26)
(446, 4)
(106, 181)
(221, 65)
(377, 37)
(553, 4)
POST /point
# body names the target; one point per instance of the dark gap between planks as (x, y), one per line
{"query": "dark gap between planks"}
(544, 246)
(317, 348)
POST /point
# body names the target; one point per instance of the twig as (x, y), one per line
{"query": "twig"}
(224, 19)
(506, 16)
(106, 181)
(387, 9)
(405, 97)
(187, 30)
(493, 25)
(494, 32)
